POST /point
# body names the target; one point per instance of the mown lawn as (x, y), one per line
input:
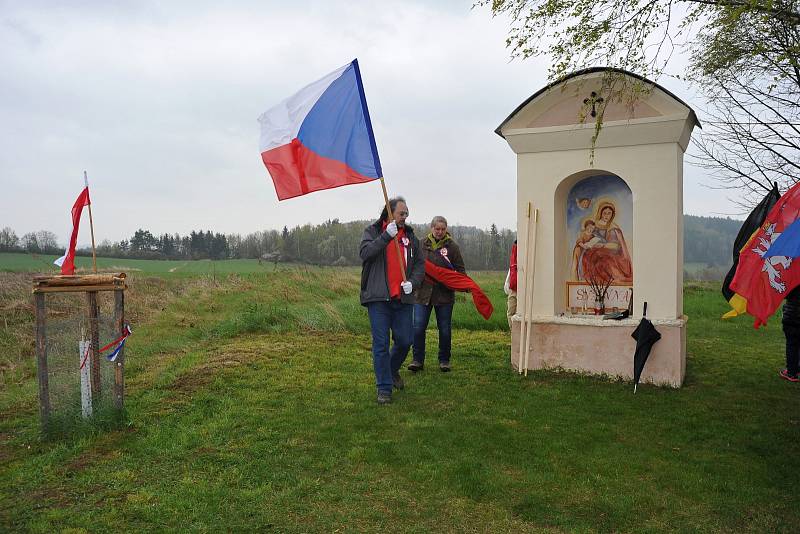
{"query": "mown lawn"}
(251, 407)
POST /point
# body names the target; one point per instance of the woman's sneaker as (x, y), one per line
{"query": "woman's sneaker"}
(415, 366)
(786, 376)
(384, 398)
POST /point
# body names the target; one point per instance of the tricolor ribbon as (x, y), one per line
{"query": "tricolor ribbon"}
(113, 356)
(121, 340)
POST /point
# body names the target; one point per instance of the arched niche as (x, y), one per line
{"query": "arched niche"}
(599, 231)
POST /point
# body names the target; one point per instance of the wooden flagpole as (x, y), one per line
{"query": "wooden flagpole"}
(524, 314)
(91, 224)
(391, 218)
(529, 291)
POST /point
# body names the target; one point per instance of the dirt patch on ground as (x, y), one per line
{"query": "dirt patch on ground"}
(105, 448)
(205, 373)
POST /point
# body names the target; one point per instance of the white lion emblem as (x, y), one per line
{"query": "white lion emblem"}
(771, 263)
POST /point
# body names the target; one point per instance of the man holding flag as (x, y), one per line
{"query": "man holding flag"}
(320, 138)
(387, 292)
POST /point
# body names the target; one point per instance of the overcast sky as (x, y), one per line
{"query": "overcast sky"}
(158, 102)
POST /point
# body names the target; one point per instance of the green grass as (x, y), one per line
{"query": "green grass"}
(251, 407)
(18, 262)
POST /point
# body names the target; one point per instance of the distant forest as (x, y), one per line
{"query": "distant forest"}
(707, 244)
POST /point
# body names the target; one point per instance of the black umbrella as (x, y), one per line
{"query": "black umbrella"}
(646, 336)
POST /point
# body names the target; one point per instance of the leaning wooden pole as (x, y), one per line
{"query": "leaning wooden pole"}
(391, 218)
(91, 224)
(524, 279)
(529, 291)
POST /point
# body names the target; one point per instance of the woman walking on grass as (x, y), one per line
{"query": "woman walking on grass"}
(388, 298)
(440, 249)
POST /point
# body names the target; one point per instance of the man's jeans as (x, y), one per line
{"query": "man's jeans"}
(383, 317)
(444, 315)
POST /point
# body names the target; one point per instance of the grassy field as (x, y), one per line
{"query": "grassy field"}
(251, 407)
(43, 263)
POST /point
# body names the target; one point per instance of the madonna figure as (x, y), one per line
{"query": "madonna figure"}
(606, 253)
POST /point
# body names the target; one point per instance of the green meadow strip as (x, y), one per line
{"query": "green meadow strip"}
(251, 407)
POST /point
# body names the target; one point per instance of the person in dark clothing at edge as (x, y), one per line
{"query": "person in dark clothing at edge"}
(791, 329)
(388, 299)
(439, 248)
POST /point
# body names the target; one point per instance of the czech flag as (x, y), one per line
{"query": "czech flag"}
(321, 137)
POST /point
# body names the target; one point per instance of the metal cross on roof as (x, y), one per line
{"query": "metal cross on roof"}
(593, 100)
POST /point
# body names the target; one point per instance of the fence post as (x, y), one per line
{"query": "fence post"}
(119, 367)
(94, 339)
(41, 359)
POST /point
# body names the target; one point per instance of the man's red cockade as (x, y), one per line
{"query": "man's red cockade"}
(461, 282)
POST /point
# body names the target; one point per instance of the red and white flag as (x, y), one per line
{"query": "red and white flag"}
(67, 261)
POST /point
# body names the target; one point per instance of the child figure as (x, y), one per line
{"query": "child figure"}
(791, 329)
(586, 240)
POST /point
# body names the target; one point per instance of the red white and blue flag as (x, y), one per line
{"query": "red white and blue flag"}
(321, 137)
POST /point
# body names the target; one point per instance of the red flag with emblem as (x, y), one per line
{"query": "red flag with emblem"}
(765, 281)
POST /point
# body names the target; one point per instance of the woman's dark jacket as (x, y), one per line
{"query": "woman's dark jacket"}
(373, 250)
(433, 293)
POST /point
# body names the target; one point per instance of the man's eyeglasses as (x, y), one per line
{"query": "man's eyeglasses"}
(402, 213)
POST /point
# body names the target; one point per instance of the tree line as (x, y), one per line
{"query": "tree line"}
(707, 240)
(330, 243)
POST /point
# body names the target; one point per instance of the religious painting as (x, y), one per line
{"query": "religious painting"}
(599, 243)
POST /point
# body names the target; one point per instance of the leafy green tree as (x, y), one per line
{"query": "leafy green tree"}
(327, 250)
(743, 58)
(143, 241)
(495, 248)
(749, 72)
(637, 35)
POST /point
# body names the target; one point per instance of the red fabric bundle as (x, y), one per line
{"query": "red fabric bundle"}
(461, 282)
(394, 265)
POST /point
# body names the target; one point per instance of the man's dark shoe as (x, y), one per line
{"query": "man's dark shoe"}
(415, 366)
(397, 381)
(444, 367)
(384, 398)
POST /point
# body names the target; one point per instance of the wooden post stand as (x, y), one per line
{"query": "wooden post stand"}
(91, 285)
(119, 364)
(41, 358)
(94, 342)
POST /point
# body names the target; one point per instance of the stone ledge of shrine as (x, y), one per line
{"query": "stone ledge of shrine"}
(597, 320)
